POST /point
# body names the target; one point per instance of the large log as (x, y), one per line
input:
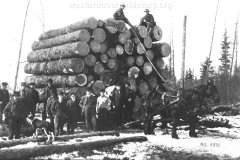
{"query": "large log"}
(112, 63)
(123, 37)
(156, 33)
(95, 46)
(143, 87)
(104, 58)
(108, 77)
(163, 48)
(88, 23)
(140, 48)
(111, 25)
(80, 79)
(58, 138)
(133, 72)
(159, 63)
(70, 50)
(98, 68)
(141, 31)
(100, 23)
(81, 35)
(119, 49)
(90, 78)
(132, 82)
(148, 42)
(58, 81)
(30, 152)
(103, 47)
(65, 66)
(112, 53)
(152, 81)
(128, 47)
(121, 25)
(150, 54)
(97, 86)
(90, 60)
(99, 35)
(78, 91)
(25, 130)
(147, 68)
(139, 60)
(130, 61)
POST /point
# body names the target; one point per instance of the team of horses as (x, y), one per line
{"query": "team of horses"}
(175, 104)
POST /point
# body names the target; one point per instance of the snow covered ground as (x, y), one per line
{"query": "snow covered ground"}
(216, 143)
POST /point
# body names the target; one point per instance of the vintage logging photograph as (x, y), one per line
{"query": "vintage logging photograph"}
(120, 80)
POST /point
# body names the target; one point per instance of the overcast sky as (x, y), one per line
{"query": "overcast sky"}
(168, 14)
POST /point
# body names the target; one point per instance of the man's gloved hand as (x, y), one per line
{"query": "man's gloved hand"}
(97, 116)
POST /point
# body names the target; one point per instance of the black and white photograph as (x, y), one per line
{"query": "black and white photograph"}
(120, 80)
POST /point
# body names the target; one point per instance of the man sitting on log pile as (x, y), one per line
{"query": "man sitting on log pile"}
(46, 95)
(15, 113)
(88, 105)
(4, 98)
(147, 21)
(119, 15)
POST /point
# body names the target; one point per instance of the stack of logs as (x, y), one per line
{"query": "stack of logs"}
(104, 52)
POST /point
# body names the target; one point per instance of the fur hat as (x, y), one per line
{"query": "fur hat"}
(4, 83)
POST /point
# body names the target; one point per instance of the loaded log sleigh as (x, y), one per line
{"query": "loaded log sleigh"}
(103, 53)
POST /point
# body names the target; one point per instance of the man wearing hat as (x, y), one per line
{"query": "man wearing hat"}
(88, 105)
(33, 99)
(72, 113)
(50, 88)
(119, 15)
(24, 94)
(15, 113)
(4, 98)
(147, 21)
(102, 108)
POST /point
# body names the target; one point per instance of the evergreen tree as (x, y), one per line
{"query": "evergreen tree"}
(225, 56)
(203, 70)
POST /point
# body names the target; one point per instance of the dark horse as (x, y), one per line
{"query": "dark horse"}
(177, 103)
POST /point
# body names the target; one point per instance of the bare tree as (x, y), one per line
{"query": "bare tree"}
(183, 50)
(234, 43)
(20, 50)
(209, 57)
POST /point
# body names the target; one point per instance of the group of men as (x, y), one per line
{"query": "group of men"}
(62, 108)
(147, 21)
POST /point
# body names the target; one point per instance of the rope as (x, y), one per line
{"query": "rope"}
(166, 81)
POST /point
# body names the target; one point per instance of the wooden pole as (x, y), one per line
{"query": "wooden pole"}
(174, 80)
(183, 51)
(20, 50)
(211, 43)
(43, 22)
